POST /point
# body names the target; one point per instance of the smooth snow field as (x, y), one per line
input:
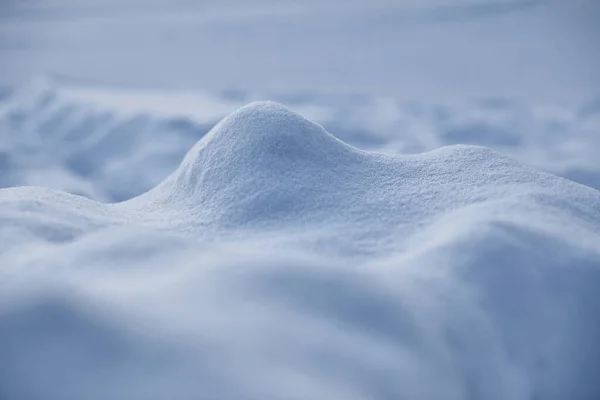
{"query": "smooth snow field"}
(299, 200)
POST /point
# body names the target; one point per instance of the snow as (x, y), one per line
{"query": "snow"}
(280, 262)
(434, 49)
(421, 220)
(114, 143)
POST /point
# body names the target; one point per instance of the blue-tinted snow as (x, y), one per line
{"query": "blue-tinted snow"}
(279, 262)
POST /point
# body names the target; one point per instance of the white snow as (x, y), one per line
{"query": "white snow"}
(439, 243)
(112, 144)
(279, 262)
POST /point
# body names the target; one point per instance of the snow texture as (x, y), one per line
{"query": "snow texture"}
(279, 262)
(113, 144)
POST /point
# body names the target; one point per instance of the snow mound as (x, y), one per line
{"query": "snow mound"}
(262, 161)
(256, 140)
(114, 143)
(278, 261)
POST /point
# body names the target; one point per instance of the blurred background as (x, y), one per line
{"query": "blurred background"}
(103, 98)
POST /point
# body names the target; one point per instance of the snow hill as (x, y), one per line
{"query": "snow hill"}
(112, 144)
(279, 262)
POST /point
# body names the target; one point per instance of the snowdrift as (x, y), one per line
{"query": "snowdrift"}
(112, 144)
(279, 262)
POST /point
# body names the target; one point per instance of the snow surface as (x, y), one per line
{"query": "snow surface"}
(112, 144)
(279, 262)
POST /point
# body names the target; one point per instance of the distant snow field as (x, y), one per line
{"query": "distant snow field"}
(264, 258)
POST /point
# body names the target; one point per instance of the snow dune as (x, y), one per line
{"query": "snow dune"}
(113, 144)
(279, 262)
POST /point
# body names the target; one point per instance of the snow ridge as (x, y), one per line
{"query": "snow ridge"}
(112, 144)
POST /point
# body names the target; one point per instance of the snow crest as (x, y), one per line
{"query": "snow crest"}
(112, 144)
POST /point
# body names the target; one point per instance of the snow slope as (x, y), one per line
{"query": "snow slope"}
(279, 262)
(113, 144)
